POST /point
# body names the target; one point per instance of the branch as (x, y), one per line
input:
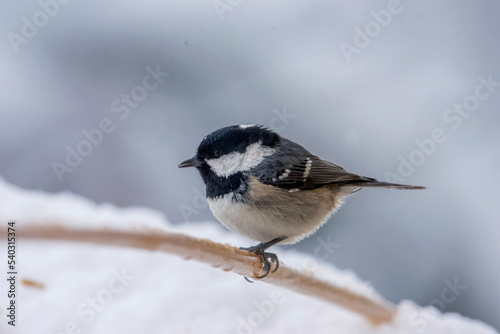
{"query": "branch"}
(225, 257)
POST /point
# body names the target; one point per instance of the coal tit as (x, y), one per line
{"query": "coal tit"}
(270, 189)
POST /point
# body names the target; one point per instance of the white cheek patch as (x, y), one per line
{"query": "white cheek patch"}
(237, 162)
(227, 164)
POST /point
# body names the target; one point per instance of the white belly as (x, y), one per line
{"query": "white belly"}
(273, 217)
(245, 220)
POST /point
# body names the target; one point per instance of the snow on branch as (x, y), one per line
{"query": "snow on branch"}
(225, 257)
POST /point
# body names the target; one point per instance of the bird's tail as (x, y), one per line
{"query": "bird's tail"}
(368, 182)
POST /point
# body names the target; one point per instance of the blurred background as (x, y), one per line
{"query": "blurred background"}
(105, 99)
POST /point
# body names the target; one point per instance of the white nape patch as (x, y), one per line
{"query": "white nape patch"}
(308, 169)
(255, 154)
(284, 175)
(232, 163)
(244, 126)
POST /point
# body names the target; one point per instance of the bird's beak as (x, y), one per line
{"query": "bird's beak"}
(193, 162)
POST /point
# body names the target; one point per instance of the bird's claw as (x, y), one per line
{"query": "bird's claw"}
(267, 260)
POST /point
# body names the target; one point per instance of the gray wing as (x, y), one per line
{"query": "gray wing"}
(295, 168)
(309, 173)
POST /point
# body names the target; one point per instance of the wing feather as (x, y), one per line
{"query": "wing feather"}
(295, 168)
(312, 172)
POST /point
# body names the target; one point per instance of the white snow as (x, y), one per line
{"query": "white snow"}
(97, 289)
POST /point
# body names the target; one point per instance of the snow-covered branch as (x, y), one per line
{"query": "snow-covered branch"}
(217, 255)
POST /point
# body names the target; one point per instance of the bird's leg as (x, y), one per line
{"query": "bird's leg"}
(260, 250)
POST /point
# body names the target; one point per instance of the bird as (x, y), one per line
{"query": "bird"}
(270, 189)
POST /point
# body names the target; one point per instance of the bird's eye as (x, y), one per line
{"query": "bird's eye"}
(216, 154)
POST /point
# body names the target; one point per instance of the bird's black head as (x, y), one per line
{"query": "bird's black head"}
(225, 154)
(234, 149)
